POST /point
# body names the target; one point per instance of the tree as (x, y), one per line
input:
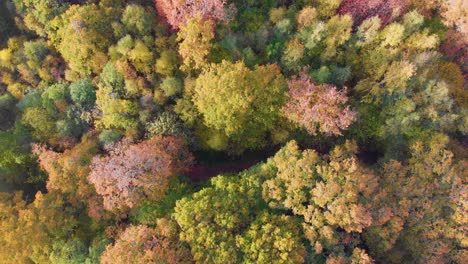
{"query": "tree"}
(272, 239)
(195, 33)
(38, 14)
(17, 165)
(72, 252)
(141, 57)
(52, 116)
(419, 206)
(82, 37)
(211, 219)
(396, 75)
(138, 20)
(171, 86)
(41, 123)
(338, 31)
(142, 244)
(332, 195)
(387, 11)
(35, 51)
(131, 173)
(293, 53)
(76, 251)
(241, 103)
(55, 99)
(176, 12)
(453, 48)
(166, 64)
(68, 171)
(306, 17)
(454, 14)
(327, 8)
(82, 92)
(168, 124)
(317, 108)
(7, 116)
(27, 63)
(116, 111)
(113, 79)
(29, 231)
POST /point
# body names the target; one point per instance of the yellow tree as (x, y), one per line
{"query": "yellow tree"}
(83, 35)
(199, 33)
(331, 194)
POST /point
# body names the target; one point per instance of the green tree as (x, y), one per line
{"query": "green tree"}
(396, 75)
(82, 93)
(138, 20)
(167, 62)
(211, 219)
(272, 239)
(40, 122)
(7, 112)
(17, 165)
(55, 98)
(116, 111)
(171, 86)
(243, 104)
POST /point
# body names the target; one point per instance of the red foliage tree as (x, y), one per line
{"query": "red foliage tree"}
(455, 49)
(386, 10)
(317, 107)
(131, 173)
(143, 244)
(176, 12)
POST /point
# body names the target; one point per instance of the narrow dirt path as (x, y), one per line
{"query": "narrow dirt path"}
(205, 172)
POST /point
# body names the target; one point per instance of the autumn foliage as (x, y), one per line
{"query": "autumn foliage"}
(322, 131)
(331, 194)
(415, 216)
(148, 245)
(177, 12)
(386, 10)
(318, 108)
(129, 173)
(67, 171)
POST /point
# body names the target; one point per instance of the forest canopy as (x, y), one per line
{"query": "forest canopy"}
(233, 131)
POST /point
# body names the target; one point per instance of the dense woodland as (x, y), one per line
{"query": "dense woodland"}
(233, 131)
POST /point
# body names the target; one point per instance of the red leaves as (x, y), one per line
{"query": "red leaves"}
(386, 10)
(131, 173)
(176, 12)
(148, 245)
(318, 107)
